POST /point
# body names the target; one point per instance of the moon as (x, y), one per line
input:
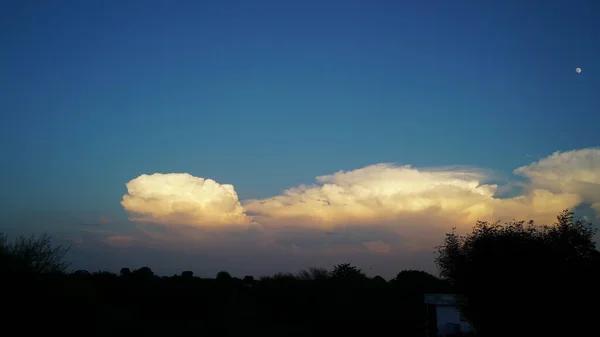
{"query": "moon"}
(578, 70)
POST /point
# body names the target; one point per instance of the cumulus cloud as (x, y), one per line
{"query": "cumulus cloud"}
(576, 172)
(382, 209)
(182, 199)
(386, 193)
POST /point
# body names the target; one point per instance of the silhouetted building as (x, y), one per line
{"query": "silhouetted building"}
(444, 314)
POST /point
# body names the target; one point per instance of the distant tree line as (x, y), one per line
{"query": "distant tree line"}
(515, 279)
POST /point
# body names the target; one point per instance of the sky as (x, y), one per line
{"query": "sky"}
(263, 136)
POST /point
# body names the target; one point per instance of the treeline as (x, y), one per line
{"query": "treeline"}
(516, 279)
(311, 302)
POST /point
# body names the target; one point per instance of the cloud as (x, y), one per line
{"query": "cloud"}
(378, 246)
(575, 172)
(120, 240)
(372, 212)
(182, 199)
(104, 220)
(386, 193)
(370, 194)
(375, 195)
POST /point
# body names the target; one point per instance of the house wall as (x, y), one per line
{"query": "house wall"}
(450, 314)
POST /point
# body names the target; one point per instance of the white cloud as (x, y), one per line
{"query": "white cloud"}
(385, 193)
(378, 208)
(182, 199)
(575, 172)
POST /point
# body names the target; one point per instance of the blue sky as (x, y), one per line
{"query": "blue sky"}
(267, 95)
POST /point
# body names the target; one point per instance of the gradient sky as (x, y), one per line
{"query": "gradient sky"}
(268, 95)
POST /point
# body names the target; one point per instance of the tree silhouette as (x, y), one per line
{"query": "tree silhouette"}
(419, 282)
(380, 280)
(347, 272)
(31, 272)
(282, 277)
(81, 273)
(223, 276)
(33, 254)
(516, 275)
(144, 274)
(313, 274)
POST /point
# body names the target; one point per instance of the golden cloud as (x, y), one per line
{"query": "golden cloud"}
(576, 172)
(403, 199)
(386, 193)
(378, 246)
(182, 199)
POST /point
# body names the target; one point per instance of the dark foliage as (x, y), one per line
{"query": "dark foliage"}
(340, 302)
(31, 254)
(519, 278)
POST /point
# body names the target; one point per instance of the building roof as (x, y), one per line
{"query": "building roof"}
(443, 299)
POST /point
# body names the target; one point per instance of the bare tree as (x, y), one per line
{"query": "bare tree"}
(33, 254)
(313, 273)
